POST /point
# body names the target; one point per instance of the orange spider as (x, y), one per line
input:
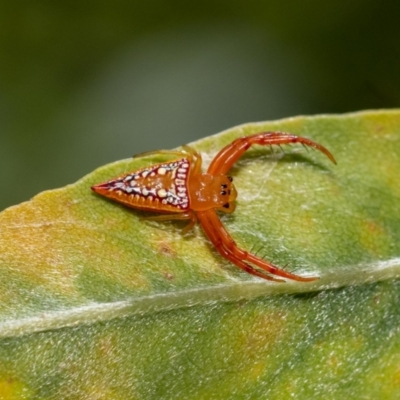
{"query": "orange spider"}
(181, 190)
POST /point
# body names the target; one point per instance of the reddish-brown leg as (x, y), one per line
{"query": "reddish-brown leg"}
(227, 247)
(225, 159)
(192, 154)
(178, 216)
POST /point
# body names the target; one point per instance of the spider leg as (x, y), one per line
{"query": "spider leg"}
(212, 234)
(193, 156)
(179, 216)
(225, 159)
(178, 153)
(187, 151)
(228, 248)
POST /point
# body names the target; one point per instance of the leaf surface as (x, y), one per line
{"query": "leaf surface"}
(98, 303)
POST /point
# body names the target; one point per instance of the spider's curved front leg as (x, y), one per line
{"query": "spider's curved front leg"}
(228, 248)
(225, 159)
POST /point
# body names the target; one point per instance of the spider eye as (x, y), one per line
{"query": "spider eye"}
(224, 186)
(230, 178)
(223, 192)
(226, 205)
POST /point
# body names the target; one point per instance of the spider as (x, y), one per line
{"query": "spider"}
(181, 191)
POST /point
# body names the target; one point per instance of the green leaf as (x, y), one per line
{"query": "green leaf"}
(97, 303)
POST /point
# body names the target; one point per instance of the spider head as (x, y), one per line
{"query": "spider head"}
(212, 191)
(227, 195)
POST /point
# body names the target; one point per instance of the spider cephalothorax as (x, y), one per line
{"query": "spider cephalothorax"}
(179, 190)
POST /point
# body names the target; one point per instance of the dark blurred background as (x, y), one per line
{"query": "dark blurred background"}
(84, 83)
